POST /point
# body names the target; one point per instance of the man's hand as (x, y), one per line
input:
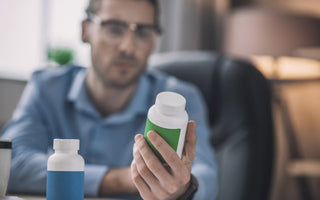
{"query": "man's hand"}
(117, 181)
(151, 177)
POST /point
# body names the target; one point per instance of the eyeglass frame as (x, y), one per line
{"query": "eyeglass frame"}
(131, 26)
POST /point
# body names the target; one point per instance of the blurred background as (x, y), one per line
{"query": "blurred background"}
(280, 37)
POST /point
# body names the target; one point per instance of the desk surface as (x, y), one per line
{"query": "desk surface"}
(44, 198)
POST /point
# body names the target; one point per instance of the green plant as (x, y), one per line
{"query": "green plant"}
(61, 56)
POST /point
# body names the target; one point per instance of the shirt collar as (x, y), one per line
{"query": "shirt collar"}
(78, 95)
(77, 85)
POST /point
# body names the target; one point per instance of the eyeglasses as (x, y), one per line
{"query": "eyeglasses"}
(114, 30)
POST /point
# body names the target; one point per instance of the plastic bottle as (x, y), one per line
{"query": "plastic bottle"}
(169, 119)
(65, 171)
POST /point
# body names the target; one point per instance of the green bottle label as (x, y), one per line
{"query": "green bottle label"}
(171, 136)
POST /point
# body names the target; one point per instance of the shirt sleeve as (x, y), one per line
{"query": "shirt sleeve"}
(29, 132)
(204, 165)
(92, 178)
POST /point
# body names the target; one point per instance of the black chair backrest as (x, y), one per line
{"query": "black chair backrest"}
(239, 103)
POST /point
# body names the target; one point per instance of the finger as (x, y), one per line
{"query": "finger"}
(166, 151)
(143, 169)
(141, 185)
(153, 163)
(157, 189)
(189, 150)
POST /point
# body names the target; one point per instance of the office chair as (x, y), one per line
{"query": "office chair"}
(239, 103)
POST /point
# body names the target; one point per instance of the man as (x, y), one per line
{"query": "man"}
(105, 106)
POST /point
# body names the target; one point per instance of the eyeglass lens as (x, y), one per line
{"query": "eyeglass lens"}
(116, 29)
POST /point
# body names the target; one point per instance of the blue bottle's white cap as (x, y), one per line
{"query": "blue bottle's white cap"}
(66, 144)
(170, 103)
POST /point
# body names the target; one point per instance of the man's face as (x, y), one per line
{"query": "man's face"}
(119, 61)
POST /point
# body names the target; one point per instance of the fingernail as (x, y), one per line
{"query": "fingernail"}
(151, 134)
(137, 137)
(193, 124)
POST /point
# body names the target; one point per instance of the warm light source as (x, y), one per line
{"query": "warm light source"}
(287, 68)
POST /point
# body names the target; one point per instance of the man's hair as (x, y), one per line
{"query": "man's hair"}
(94, 5)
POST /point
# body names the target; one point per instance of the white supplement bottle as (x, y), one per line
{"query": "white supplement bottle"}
(169, 119)
(65, 171)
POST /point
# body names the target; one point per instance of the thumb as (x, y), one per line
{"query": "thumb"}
(189, 151)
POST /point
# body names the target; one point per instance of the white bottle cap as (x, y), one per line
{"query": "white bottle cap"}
(66, 144)
(170, 103)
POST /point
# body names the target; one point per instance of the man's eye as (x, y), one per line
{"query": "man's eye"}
(115, 29)
(144, 33)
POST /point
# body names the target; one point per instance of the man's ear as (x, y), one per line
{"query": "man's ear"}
(85, 31)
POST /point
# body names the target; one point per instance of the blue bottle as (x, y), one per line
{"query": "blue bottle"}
(65, 171)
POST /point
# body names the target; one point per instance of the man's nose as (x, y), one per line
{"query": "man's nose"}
(127, 44)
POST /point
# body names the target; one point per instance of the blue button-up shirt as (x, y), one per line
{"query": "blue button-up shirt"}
(55, 104)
